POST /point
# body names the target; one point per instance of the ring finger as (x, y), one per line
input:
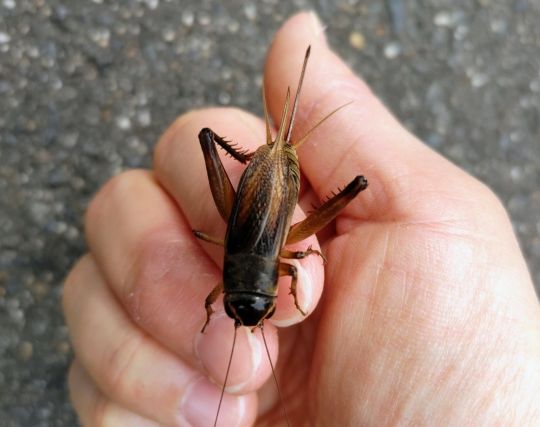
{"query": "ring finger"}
(130, 368)
(94, 409)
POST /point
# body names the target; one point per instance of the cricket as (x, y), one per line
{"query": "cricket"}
(258, 216)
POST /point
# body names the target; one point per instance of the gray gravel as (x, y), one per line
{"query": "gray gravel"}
(86, 87)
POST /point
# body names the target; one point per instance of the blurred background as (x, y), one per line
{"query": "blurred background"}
(86, 88)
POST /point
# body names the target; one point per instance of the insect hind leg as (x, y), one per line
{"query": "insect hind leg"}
(327, 212)
(207, 134)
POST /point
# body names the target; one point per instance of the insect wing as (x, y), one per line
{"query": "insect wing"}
(262, 209)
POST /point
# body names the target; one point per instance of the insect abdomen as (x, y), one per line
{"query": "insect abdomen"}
(250, 273)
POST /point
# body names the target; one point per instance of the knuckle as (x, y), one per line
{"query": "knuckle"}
(89, 403)
(72, 378)
(74, 279)
(154, 273)
(100, 408)
(120, 366)
(113, 192)
(489, 198)
(482, 201)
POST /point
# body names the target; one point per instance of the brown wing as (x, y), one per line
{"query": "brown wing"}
(264, 203)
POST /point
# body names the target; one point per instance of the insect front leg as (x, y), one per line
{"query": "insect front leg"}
(301, 254)
(210, 299)
(220, 184)
(203, 236)
(290, 270)
(327, 212)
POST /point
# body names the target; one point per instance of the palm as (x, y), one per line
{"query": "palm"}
(390, 328)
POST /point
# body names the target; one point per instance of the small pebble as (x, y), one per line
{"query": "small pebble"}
(26, 350)
(63, 347)
(123, 122)
(168, 34)
(204, 19)
(392, 50)
(4, 38)
(39, 289)
(357, 40)
(152, 4)
(101, 37)
(144, 118)
(224, 98)
(479, 79)
(250, 10)
(443, 19)
(187, 18)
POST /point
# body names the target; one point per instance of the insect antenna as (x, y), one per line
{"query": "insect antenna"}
(297, 96)
(309, 132)
(275, 378)
(226, 374)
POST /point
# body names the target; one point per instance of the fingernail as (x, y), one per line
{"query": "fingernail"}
(213, 349)
(317, 28)
(200, 403)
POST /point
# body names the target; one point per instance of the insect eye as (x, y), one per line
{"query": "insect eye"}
(249, 309)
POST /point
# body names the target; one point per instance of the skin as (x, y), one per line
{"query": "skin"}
(428, 315)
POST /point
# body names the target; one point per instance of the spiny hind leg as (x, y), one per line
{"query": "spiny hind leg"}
(207, 134)
(220, 184)
(290, 270)
(210, 299)
(203, 236)
(327, 212)
(301, 254)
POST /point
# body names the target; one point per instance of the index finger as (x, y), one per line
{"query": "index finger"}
(180, 167)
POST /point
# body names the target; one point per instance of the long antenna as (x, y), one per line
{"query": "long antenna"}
(275, 378)
(226, 374)
(297, 96)
(309, 132)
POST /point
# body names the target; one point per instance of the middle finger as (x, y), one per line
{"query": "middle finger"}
(129, 367)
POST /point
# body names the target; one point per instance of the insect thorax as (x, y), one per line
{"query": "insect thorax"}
(250, 273)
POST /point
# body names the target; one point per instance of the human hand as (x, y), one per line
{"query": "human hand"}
(428, 315)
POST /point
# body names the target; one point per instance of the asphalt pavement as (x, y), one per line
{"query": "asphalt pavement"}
(86, 88)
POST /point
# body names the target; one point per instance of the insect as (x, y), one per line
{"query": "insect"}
(258, 216)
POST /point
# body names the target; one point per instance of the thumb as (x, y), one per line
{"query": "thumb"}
(363, 138)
